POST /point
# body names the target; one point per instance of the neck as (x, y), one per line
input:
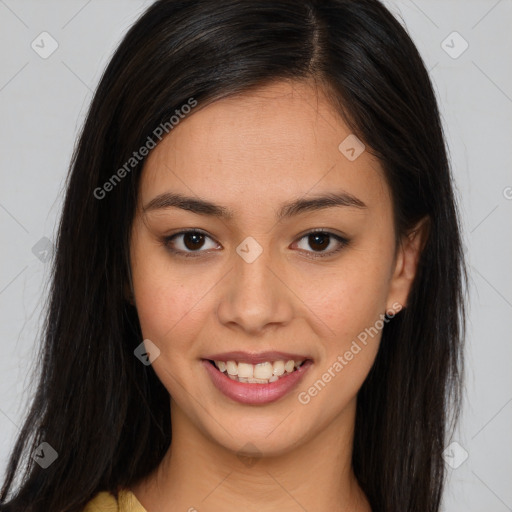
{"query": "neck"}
(197, 473)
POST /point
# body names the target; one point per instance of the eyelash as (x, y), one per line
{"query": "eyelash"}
(343, 242)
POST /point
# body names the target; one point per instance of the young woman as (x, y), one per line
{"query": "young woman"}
(257, 292)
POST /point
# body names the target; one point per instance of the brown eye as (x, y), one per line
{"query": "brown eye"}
(193, 240)
(186, 243)
(322, 243)
(319, 241)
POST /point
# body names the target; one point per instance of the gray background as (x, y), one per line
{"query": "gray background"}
(43, 103)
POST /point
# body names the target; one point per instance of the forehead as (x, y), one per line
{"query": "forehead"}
(274, 143)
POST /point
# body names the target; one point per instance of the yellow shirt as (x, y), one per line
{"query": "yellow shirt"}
(106, 502)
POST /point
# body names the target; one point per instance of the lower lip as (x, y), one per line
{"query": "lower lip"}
(255, 394)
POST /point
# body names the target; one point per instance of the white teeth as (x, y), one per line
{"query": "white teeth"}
(260, 373)
(231, 367)
(245, 370)
(278, 367)
(263, 371)
(289, 366)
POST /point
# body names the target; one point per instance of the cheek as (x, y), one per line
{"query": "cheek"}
(167, 300)
(350, 298)
(351, 305)
(168, 309)
(350, 302)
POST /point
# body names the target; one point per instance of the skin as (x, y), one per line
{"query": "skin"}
(251, 153)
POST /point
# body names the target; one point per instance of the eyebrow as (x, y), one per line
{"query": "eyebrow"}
(296, 207)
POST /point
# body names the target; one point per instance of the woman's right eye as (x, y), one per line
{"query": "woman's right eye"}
(188, 243)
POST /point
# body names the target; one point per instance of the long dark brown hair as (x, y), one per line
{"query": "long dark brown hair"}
(107, 415)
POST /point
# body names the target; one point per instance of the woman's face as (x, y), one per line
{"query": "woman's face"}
(255, 280)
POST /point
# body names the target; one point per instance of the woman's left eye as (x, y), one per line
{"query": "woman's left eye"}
(321, 241)
(193, 243)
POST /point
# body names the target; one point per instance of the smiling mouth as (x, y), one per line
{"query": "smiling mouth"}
(260, 373)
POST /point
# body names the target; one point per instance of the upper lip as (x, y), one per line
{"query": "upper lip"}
(255, 358)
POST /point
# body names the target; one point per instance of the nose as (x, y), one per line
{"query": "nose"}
(255, 297)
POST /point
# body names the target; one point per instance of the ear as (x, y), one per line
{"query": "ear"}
(408, 254)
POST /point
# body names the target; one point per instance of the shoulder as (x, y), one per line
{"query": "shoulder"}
(107, 502)
(102, 502)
